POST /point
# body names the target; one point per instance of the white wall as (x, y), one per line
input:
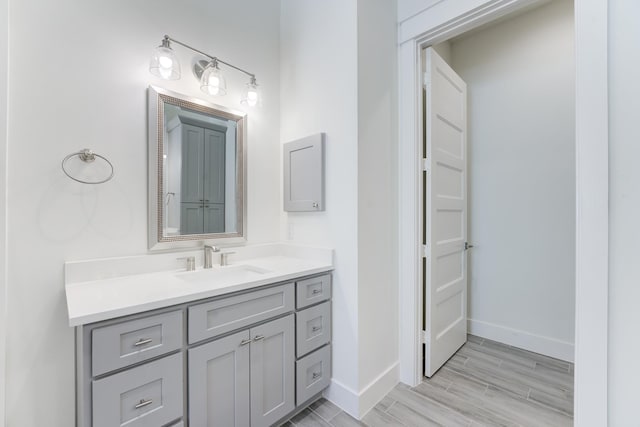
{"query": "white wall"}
(409, 8)
(521, 76)
(81, 69)
(319, 94)
(4, 68)
(377, 200)
(338, 76)
(624, 211)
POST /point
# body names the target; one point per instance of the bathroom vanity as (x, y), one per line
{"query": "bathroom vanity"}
(247, 344)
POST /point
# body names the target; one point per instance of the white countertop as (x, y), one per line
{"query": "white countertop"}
(96, 291)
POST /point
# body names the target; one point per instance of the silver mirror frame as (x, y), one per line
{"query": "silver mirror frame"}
(157, 239)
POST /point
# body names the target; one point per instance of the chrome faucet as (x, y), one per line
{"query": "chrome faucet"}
(208, 255)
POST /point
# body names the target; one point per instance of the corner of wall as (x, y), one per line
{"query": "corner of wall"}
(4, 108)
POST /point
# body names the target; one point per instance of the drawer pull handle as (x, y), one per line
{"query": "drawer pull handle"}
(316, 375)
(316, 291)
(143, 341)
(144, 403)
(316, 328)
(245, 342)
(258, 337)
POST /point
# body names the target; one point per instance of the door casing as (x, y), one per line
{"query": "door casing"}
(441, 21)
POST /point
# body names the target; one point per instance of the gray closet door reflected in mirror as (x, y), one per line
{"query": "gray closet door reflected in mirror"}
(202, 200)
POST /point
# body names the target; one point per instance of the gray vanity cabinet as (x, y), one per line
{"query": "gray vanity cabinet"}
(247, 359)
(245, 378)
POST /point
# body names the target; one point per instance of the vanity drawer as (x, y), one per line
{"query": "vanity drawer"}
(123, 344)
(227, 314)
(313, 328)
(313, 373)
(313, 290)
(148, 395)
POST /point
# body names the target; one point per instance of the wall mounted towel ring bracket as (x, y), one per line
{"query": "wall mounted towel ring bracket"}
(87, 156)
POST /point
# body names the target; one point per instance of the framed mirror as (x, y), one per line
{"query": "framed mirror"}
(197, 167)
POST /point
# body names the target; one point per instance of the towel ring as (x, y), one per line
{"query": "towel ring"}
(87, 156)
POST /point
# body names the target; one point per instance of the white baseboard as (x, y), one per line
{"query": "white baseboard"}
(343, 397)
(378, 388)
(358, 404)
(539, 344)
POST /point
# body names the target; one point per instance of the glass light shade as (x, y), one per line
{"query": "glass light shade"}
(212, 81)
(251, 95)
(164, 63)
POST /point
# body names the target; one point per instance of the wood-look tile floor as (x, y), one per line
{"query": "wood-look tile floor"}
(485, 383)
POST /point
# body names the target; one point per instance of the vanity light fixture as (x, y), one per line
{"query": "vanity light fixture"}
(164, 64)
(212, 81)
(251, 94)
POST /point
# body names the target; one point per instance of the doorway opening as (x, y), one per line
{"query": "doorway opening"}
(520, 74)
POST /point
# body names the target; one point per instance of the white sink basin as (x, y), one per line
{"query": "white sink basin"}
(242, 272)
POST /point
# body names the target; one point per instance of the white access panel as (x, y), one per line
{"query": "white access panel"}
(304, 174)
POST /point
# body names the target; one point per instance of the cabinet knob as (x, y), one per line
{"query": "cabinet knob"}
(258, 337)
(316, 291)
(316, 375)
(316, 328)
(245, 342)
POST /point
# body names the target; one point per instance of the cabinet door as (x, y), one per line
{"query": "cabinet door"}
(192, 190)
(272, 371)
(219, 382)
(191, 218)
(214, 218)
(214, 169)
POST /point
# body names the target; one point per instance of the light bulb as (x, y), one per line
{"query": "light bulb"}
(165, 62)
(165, 72)
(212, 81)
(213, 90)
(252, 98)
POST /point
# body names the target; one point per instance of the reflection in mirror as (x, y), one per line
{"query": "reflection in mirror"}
(196, 166)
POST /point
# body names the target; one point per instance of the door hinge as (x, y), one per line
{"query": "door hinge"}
(427, 78)
(424, 337)
(424, 251)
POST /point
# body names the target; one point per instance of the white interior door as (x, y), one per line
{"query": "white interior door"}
(444, 213)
